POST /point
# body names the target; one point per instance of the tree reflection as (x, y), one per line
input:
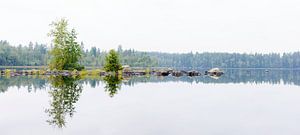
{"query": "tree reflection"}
(113, 84)
(256, 76)
(65, 92)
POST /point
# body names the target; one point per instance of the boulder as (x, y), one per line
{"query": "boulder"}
(215, 72)
(177, 73)
(126, 68)
(193, 73)
(102, 73)
(163, 73)
(26, 73)
(139, 73)
(65, 73)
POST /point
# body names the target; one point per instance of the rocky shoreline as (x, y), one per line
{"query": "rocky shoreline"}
(169, 72)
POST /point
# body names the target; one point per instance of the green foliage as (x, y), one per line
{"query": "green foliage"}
(7, 72)
(38, 55)
(147, 70)
(112, 62)
(66, 52)
(138, 59)
(65, 93)
(30, 55)
(83, 73)
(95, 72)
(113, 84)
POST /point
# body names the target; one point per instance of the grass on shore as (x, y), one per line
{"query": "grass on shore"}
(83, 73)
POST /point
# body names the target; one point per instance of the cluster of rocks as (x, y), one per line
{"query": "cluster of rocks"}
(17, 73)
(134, 73)
(33, 72)
(169, 72)
(211, 72)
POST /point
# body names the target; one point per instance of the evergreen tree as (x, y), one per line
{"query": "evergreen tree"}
(112, 62)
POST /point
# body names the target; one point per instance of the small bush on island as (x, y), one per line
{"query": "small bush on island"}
(112, 62)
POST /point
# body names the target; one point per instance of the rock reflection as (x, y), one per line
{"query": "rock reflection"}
(255, 76)
(112, 84)
(64, 93)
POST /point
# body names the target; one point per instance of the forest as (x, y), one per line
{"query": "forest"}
(35, 54)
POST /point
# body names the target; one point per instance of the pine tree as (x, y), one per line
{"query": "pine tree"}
(112, 62)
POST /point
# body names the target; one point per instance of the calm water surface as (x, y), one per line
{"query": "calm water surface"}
(242, 102)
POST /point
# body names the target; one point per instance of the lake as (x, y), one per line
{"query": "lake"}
(241, 102)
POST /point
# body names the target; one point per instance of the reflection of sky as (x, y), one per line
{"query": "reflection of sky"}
(171, 108)
(232, 76)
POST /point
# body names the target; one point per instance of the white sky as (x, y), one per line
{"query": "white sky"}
(160, 25)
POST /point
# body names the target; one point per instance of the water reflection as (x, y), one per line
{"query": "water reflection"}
(288, 77)
(32, 83)
(256, 76)
(112, 84)
(64, 93)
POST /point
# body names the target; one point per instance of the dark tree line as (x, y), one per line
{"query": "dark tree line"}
(96, 58)
(29, 55)
(228, 60)
(37, 55)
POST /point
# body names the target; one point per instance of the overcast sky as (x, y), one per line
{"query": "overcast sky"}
(160, 25)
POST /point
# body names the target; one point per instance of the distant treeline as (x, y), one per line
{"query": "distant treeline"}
(29, 55)
(37, 55)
